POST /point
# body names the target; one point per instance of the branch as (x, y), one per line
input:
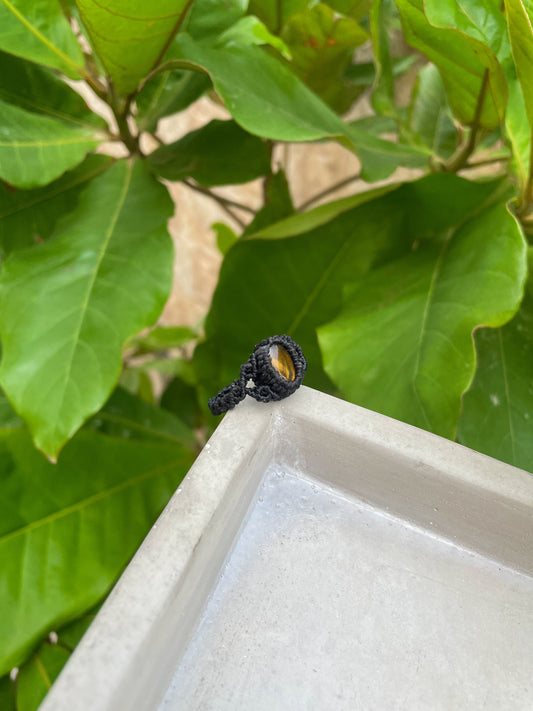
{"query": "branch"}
(224, 203)
(328, 191)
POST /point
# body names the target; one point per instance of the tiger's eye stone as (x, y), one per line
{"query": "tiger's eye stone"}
(282, 362)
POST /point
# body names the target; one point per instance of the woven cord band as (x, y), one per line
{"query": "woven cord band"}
(273, 372)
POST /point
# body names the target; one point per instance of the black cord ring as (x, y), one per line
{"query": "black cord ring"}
(276, 368)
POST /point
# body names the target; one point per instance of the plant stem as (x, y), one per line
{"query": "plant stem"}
(460, 159)
(224, 203)
(121, 112)
(328, 191)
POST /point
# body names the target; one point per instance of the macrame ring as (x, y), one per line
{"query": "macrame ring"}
(276, 368)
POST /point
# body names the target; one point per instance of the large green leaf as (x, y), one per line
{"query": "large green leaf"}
(322, 45)
(39, 31)
(34, 149)
(39, 90)
(289, 278)
(469, 68)
(497, 413)
(67, 531)
(130, 38)
(27, 217)
(403, 343)
(219, 153)
(267, 100)
(519, 19)
(270, 101)
(104, 275)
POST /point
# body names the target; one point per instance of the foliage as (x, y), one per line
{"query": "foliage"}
(411, 298)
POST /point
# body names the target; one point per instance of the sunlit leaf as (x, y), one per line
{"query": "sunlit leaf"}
(130, 38)
(403, 344)
(519, 19)
(470, 70)
(39, 31)
(289, 277)
(34, 149)
(104, 275)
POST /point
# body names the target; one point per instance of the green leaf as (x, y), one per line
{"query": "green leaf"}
(364, 73)
(163, 338)
(166, 94)
(36, 676)
(462, 61)
(274, 13)
(27, 217)
(289, 277)
(181, 398)
(380, 158)
(519, 20)
(249, 31)
(429, 117)
(209, 18)
(7, 694)
(67, 531)
(483, 21)
(131, 38)
(219, 153)
(104, 276)
(70, 635)
(129, 417)
(322, 45)
(226, 237)
(498, 408)
(278, 204)
(271, 102)
(403, 343)
(519, 133)
(268, 100)
(34, 150)
(40, 32)
(356, 9)
(38, 90)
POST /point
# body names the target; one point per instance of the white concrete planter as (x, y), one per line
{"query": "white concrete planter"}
(321, 556)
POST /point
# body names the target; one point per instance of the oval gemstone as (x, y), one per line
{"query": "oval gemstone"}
(282, 362)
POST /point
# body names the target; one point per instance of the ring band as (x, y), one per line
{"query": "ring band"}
(276, 368)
